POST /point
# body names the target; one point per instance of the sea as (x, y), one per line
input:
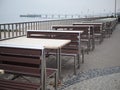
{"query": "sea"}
(16, 19)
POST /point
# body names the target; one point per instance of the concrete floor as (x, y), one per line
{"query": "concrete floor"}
(107, 82)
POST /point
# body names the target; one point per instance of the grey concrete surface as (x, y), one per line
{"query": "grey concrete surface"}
(107, 82)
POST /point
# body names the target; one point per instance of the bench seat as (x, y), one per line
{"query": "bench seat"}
(15, 85)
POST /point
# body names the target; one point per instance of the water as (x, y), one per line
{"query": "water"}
(16, 19)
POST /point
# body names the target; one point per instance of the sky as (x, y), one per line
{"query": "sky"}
(57, 6)
(18, 7)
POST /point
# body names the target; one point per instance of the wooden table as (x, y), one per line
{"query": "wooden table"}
(98, 29)
(47, 43)
(72, 49)
(57, 31)
(109, 24)
(88, 31)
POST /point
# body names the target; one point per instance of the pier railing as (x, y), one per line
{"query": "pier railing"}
(13, 30)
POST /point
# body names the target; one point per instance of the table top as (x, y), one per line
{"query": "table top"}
(87, 23)
(35, 43)
(63, 31)
(70, 26)
(27, 46)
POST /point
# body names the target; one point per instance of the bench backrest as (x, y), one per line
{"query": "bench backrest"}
(98, 27)
(21, 60)
(49, 34)
(88, 30)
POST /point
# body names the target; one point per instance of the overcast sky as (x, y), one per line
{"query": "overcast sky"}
(57, 6)
(11, 9)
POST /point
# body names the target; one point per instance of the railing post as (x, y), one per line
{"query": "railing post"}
(28, 25)
(4, 28)
(8, 30)
(0, 33)
(12, 30)
(34, 25)
(16, 29)
(39, 25)
(23, 28)
(19, 29)
(31, 26)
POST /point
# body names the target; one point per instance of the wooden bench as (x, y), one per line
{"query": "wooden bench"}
(98, 30)
(71, 49)
(87, 37)
(24, 61)
(108, 25)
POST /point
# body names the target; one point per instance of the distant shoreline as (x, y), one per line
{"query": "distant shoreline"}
(45, 16)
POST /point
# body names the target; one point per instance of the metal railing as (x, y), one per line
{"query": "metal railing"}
(13, 30)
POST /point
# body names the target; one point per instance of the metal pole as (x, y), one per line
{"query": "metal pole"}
(115, 8)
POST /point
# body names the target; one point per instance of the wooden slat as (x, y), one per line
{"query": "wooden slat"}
(20, 69)
(16, 51)
(15, 85)
(20, 59)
